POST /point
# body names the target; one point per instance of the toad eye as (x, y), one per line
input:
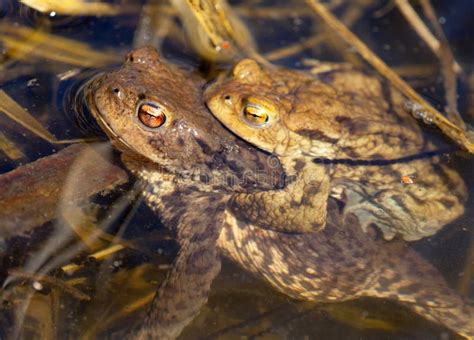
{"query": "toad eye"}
(151, 114)
(255, 114)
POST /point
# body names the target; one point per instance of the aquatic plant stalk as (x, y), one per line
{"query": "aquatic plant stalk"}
(442, 50)
(22, 42)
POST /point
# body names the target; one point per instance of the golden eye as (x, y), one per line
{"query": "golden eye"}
(151, 115)
(255, 114)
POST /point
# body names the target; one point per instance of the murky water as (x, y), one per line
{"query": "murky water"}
(41, 68)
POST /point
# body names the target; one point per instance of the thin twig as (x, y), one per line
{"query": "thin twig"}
(418, 25)
(447, 65)
(460, 135)
(51, 281)
(294, 49)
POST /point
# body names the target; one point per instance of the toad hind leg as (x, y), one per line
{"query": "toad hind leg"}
(415, 283)
(299, 207)
(186, 287)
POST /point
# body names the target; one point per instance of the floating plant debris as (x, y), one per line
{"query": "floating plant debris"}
(79, 261)
(73, 7)
(22, 42)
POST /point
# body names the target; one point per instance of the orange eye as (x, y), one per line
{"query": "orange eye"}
(151, 115)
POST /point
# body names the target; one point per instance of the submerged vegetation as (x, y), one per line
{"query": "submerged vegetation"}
(81, 256)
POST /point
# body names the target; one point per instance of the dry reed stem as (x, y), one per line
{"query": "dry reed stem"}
(294, 49)
(13, 110)
(226, 34)
(22, 42)
(9, 148)
(70, 268)
(415, 70)
(106, 252)
(458, 134)
(349, 17)
(73, 7)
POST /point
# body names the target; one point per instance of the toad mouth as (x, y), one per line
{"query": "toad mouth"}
(89, 97)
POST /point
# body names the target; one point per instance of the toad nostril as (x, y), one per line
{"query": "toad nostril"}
(228, 100)
(129, 58)
(117, 91)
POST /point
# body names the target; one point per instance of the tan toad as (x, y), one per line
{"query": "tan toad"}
(154, 114)
(336, 115)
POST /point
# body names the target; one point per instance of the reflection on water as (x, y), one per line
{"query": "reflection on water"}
(98, 265)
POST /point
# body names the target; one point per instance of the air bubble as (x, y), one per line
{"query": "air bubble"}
(37, 286)
(428, 119)
(418, 112)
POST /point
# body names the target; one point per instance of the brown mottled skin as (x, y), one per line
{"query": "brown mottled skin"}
(339, 263)
(337, 114)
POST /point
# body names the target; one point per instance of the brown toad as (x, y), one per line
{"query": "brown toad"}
(336, 116)
(154, 114)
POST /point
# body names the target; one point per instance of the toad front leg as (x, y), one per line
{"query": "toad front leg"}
(299, 207)
(186, 287)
